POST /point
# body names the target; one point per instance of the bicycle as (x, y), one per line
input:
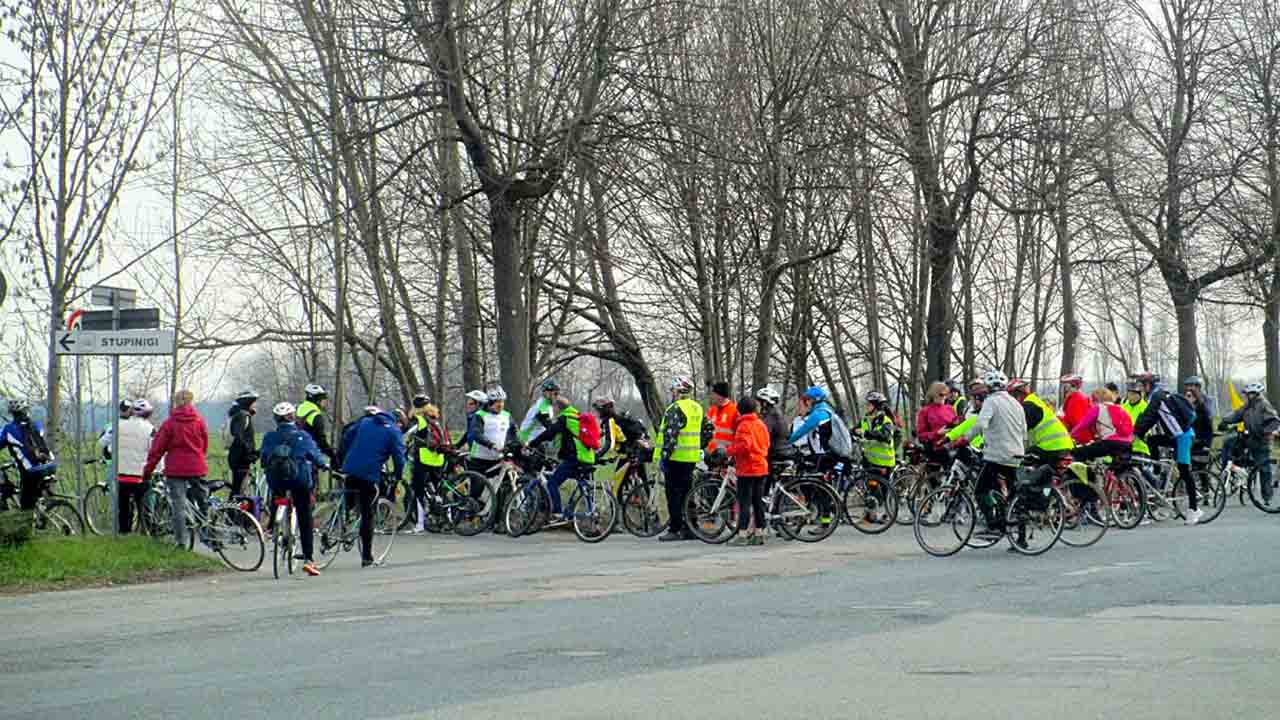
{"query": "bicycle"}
(95, 506)
(1123, 487)
(450, 505)
(339, 534)
(1240, 476)
(1088, 508)
(1209, 492)
(227, 530)
(594, 512)
(643, 501)
(796, 503)
(283, 554)
(55, 515)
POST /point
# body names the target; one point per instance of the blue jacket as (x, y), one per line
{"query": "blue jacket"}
(370, 443)
(25, 448)
(821, 413)
(304, 449)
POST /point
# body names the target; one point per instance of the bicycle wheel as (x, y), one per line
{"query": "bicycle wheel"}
(331, 536)
(472, 511)
(525, 508)
(157, 514)
(281, 544)
(904, 482)
(595, 513)
(1035, 519)
(58, 518)
(1128, 499)
(1211, 495)
(97, 509)
(870, 505)
(643, 514)
(712, 516)
(1267, 502)
(944, 521)
(236, 537)
(1088, 514)
(807, 510)
(386, 523)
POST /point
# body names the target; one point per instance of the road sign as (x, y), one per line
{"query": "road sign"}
(139, 319)
(116, 342)
(107, 296)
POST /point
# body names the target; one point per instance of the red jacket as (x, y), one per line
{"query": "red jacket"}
(183, 441)
(933, 420)
(750, 446)
(725, 418)
(1074, 408)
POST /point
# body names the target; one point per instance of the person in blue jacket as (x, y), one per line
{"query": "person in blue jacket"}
(25, 439)
(816, 427)
(297, 484)
(370, 443)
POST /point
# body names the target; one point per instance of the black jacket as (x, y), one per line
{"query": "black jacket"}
(244, 443)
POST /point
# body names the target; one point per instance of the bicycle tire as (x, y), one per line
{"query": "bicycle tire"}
(231, 529)
(1255, 490)
(471, 515)
(710, 522)
(904, 485)
(950, 510)
(821, 510)
(97, 509)
(58, 518)
(332, 535)
(595, 513)
(642, 516)
(282, 544)
(386, 523)
(1052, 518)
(1088, 514)
(982, 541)
(1211, 496)
(862, 507)
(1128, 499)
(527, 504)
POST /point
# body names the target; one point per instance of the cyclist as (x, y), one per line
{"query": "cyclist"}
(313, 418)
(1203, 405)
(1075, 404)
(475, 399)
(243, 450)
(491, 431)
(879, 456)
(977, 393)
(574, 456)
(815, 429)
(370, 443)
(1174, 415)
(779, 433)
(750, 451)
(431, 441)
(25, 439)
(956, 399)
(104, 437)
(530, 427)
(936, 416)
(182, 442)
(631, 431)
(723, 413)
(1003, 427)
(303, 453)
(684, 432)
(1048, 439)
(135, 442)
(1260, 423)
(1108, 423)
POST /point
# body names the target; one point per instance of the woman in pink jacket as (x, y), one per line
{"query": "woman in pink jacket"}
(182, 442)
(932, 422)
(1106, 421)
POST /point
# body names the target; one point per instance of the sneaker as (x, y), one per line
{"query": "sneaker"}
(311, 569)
(1193, 517)
(756, 540)
(670, 536)
(741, 541)
(366, 562)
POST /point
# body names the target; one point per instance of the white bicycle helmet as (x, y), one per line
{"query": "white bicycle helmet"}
(1072, 379)
(995, 379)
(681, 385)
(497, 393)
(768, 395)
(284, 410)
(1253, 389)
(478, 396)
(247, 395)
(141, 407)
(315, 390)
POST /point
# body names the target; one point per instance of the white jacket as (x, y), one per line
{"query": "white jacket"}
(135, 441)
(1003, 427)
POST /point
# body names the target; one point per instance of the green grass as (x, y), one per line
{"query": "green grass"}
(59, 564)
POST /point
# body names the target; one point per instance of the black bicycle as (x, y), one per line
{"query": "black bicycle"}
(55, 514)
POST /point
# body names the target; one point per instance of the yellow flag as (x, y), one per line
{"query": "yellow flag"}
(1237, 402)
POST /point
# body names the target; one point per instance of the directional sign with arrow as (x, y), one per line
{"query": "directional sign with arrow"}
(116, 342)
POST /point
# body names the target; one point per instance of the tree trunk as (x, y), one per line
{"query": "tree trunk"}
(1184, 309)
(513, 329)
(1271, 336)
(1062, 233)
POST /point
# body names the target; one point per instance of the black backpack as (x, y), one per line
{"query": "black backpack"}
(1180, 409)
(284, 471)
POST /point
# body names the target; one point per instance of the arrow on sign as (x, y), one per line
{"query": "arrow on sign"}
(66, 342)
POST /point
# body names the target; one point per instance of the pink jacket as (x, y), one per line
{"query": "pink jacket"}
(933, 420)
(1105, 421)
(182, 441)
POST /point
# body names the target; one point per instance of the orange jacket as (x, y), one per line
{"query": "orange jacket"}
(750, 446)
(725, 418)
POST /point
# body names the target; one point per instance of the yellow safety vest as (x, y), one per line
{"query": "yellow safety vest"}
(426, 456)
(308, 412)
(1135, 411)
(689, 443)
(1050, 435)
(877, 452)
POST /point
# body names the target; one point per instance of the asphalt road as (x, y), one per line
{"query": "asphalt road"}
(1160, 622)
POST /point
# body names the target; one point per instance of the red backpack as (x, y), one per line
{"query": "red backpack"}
(589, 431)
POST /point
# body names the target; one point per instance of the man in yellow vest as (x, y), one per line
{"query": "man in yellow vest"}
(684, 432)
(313, 419)
(1048, 438)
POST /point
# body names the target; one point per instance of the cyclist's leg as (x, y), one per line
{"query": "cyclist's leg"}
(419, 482)
(177, 504)
(199, 494)
(30, 485)
(1260, 454)
(564, 471)
(679, 479)
(367, 492)
(746, 496)
(987, 482)
(302, 510)
(238, 475)
(1228, 447)
(1183, 459)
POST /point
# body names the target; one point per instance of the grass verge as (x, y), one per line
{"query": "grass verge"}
(66, 563)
